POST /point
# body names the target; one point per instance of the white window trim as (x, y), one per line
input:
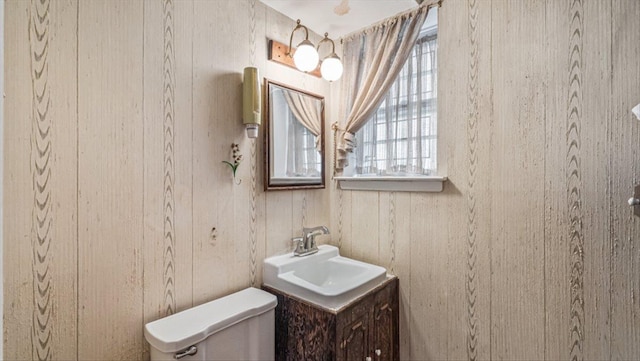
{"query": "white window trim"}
(392, 184)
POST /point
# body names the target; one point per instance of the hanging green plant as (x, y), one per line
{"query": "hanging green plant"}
(236, 158)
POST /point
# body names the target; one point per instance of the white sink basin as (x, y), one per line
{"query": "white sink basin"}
(324, 278)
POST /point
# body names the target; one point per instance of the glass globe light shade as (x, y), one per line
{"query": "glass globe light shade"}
(331, 68)
(306, 56)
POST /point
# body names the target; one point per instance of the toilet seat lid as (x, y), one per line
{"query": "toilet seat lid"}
(181, 330)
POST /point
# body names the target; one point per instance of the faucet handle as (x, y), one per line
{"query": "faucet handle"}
(298, 243)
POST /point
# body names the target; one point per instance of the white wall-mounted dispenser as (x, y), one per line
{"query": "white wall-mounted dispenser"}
(251, 101)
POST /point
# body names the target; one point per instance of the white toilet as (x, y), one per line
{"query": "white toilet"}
(240, 326)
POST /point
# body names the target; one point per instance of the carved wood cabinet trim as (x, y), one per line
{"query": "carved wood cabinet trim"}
(365, 329)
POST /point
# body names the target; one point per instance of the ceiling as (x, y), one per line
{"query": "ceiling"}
(322, 16)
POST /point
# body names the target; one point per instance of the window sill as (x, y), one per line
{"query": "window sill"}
(392, 184)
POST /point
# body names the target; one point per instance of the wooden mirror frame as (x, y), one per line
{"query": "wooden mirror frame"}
(268, 184)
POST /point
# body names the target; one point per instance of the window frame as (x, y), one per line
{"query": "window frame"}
(408, 183)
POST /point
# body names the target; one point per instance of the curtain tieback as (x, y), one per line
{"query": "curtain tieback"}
(347, 134)
(347, 141)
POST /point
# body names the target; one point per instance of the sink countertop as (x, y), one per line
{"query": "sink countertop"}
(325, 278)
(334, 310)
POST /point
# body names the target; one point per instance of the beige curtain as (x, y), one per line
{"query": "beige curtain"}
(400, 138)
(372, 61)
(308, 111)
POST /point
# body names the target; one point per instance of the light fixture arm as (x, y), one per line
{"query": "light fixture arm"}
(326, 38)
(306, 36)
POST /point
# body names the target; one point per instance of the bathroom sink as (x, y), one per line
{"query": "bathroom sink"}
(324, 278)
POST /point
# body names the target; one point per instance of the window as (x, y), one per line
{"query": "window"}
(400, 138)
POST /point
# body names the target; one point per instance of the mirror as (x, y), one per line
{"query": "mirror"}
(294, 143)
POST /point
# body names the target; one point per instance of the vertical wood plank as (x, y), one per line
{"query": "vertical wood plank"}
(458, 69)
(364, 231)
(334, 110)
(41, 170)
(258, 234)
(428, 260)
(517, 210)
(110, 88)
(18, 191)
(345, 241)
(596, 118)
(463, 221)
(40, 224)
(317, 203)
(159, 232)
(63, 67)
(299, 214)
(386, 228)
(242, 192)
(168, 154)
(183, 190)
(279, 229)
(452, 255)
(479, 180)
(253, 157)
(420, 300)
(401, 266)
(322, 203)
(625, 169)
(214, 83)
(557, 235)
(573, 171)
(597, 114)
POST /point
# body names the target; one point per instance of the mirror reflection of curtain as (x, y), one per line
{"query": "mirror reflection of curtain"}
(308, 111)
(303, 159)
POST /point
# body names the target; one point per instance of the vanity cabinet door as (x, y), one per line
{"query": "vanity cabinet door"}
(384, 332)
(353, 331)
(354, 345)
(365, 330)
(368, 331)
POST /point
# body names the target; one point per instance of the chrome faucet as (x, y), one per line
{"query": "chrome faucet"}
(306, 244)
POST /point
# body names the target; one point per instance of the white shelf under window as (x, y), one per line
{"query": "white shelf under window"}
(392, 184)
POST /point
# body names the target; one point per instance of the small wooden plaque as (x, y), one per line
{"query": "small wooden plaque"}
(278, 53)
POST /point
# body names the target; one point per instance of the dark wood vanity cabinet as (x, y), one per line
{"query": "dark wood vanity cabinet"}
(363, 330)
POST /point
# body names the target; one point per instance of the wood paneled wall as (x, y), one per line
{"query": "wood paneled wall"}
(119, 209)
(531, 252)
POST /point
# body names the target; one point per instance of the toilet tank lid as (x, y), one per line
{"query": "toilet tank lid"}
(183, 329)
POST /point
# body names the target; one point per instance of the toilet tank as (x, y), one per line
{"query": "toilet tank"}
(240, 326)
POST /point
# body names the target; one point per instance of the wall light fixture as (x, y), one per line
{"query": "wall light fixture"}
(331, 67)
(306, 56)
